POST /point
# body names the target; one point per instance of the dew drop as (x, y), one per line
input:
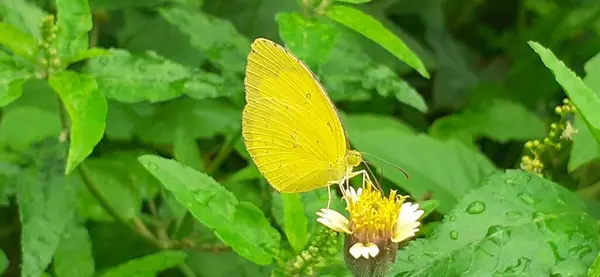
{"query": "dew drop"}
(526, 198)
(476, 207)
(513, 215)
(308, 95)
(152, 166)
(454, 235)
(452, 218)
(498, 234)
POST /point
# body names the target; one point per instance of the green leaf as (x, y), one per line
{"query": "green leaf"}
(454, 76)
(387, 83)
(211, 263)
(22, 14)
(447, 169)
(115, 185)
(586, 101)
(186, 151)
(342, 66)
(240, 225)
(354, 1)
(17, 41)
(310, 40)
(46, 200)
(428, 207)
(374, 122)
(375, 31)
(12, 78)
(312, 202)
(74, 24)
(87, 108)
(88, 54)
(516, 224)
(134, 78)
(206, 86)
(73, 257)
(40, 124)
(294, 221)
(216, 38)
(147, 266)
(142, 32)
(200, 119)
(594, 271)
(498, 119)
(584, 148)
(3, 262)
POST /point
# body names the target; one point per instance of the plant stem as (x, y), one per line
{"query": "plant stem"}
(93, 189)
(223, 153)
(142, 232)
(186, 270)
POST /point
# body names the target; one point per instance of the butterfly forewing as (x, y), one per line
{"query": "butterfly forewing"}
(290, 127)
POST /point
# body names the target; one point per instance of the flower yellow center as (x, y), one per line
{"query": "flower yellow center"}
(373, 217)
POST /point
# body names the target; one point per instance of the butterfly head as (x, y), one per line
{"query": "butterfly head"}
(353, 158)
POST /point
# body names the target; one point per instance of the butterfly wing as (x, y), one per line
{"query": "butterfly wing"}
(290, 126)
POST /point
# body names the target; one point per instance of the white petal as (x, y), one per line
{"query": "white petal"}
(407, 224)
(356, 250)
(372, 249)
(409, 212)
(352, 195)
(333, 220)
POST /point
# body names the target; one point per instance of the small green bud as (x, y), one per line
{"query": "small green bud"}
(558, 110)
(56, 61)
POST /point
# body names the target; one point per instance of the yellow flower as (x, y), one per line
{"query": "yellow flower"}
(376, 222)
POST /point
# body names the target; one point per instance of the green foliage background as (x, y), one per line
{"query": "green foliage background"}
(121, 151)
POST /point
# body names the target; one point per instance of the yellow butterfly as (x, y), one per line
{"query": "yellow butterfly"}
(290, 126)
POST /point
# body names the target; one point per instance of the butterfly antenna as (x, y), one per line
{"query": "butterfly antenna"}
(390, 164)
(379, 169)
(374, 177)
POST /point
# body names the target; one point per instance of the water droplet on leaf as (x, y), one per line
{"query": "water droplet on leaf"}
(498, 235)
(454, 234)
(476, 207)
(526, 198)
(513, 215)
(152, 166)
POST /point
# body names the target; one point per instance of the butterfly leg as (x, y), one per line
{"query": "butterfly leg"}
(360, 172)
(329, 184)
(329, 196)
